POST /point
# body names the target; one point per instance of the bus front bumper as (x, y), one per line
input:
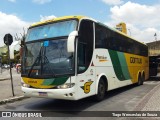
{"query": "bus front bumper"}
(67, 94)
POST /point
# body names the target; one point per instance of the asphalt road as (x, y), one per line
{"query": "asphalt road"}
(122, 99)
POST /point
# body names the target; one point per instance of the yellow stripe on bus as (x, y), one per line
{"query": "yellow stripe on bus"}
(36, 83)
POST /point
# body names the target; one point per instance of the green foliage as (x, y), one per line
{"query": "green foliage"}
(16, 52)
(5, 57)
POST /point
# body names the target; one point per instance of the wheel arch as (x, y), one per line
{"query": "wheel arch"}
(143, 73)
(104, 77)
(138, 74)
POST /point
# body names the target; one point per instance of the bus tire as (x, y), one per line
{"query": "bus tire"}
(143, 78)
(139, 80)
(101, 90)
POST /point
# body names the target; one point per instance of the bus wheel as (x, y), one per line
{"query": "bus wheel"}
(143, 78)
(101, 90)
(140, 81)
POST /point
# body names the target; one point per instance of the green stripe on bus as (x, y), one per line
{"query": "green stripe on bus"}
(124, 65)
(116, 64)
(55, 81)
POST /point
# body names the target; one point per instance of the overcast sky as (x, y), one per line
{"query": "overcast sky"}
(141, 16)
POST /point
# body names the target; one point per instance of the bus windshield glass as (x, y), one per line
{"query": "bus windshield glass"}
(47, 58)
(57, 29)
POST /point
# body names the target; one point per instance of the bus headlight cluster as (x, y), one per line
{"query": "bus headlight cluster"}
(25, 85)
(66, 85)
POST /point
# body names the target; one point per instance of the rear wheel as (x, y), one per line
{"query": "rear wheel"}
(101, 90)
(140, 81)
(143, 78)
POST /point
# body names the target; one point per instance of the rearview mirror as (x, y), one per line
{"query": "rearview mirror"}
(71, 41)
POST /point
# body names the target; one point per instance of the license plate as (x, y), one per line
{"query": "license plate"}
(43, 94)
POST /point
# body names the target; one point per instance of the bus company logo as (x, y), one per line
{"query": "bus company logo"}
(87, 87)
(135, 60)
(101, 58)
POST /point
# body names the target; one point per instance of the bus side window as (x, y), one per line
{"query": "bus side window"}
(100, 36)
(81, 56)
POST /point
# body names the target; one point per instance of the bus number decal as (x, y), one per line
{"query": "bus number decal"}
(87, 86)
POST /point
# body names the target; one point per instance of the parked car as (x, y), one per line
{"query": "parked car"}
(18, 68)
(5, 66)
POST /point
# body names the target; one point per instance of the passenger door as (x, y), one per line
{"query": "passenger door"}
(85, 68)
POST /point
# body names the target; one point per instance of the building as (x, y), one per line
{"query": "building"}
(122, 27)
(3, 49)
(154, 48)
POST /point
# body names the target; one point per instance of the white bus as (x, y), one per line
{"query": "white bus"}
(75, 57)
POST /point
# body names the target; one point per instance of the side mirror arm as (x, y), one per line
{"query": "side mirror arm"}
(71, 41)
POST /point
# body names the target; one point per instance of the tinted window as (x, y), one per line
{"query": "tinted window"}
(58, 29)
(109, 39)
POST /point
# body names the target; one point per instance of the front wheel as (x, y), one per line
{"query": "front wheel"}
(101, 90)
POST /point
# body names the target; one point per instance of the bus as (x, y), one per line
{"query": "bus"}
(74, 57)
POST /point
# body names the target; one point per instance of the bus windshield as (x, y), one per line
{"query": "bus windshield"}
(57, 29)
(45, 50)
(47, 58)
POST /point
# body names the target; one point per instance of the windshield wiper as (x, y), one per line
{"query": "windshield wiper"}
(39, 60)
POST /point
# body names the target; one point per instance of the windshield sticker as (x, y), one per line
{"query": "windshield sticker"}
(46, 43)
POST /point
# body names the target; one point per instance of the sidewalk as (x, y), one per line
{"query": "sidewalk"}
(5, 86)
(151, 101)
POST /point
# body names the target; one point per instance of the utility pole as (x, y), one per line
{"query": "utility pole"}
(155, 48)
(1, 64)
(155, 35)
(129, 31)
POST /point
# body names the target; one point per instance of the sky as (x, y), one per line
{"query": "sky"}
(141, 16)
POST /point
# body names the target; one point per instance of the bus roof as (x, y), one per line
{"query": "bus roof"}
(56, 19)
(81, 17)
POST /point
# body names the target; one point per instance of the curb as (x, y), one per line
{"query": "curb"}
(145, 99)
(13, 99)
(2, 79)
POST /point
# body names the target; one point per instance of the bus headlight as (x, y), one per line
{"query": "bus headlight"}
(25, 85)
(66, 85)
